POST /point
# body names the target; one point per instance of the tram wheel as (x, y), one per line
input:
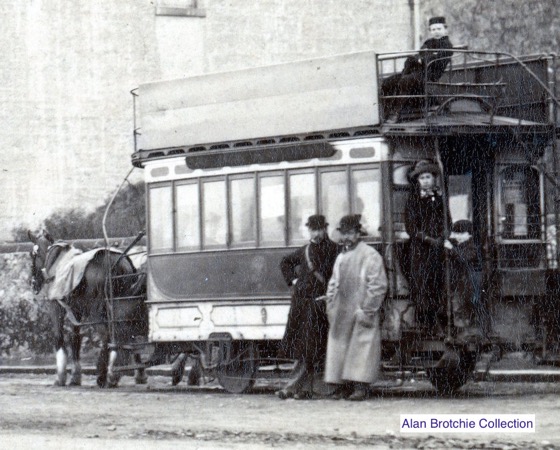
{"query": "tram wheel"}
(451, 372)
(447, 381)
(238, 366)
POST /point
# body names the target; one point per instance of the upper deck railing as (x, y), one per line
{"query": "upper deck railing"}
(491, 83)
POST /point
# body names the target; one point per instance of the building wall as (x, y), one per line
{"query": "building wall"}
(68, 67)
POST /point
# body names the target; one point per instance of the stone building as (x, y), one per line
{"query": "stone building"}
(69, 65)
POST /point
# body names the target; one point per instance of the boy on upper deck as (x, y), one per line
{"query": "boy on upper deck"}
(429, 64)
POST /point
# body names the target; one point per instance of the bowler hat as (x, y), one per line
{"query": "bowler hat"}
(350, 223)
(424, 166)
(316, 222)
(438, 19)
(462, 226)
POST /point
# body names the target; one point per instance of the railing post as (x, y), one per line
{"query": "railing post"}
(135, 130)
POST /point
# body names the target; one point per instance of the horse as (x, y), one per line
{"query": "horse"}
(85, 301)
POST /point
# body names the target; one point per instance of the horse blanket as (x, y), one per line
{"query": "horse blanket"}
(70, 271)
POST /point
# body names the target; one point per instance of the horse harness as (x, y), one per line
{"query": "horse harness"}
(49, 261)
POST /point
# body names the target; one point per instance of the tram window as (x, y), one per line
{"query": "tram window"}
(401, 186)
(161, 218)
(272, 209)
(187, 217)
(302, 204)
(519, 205)
(243, 208)
(460, 197)
(214, 225)
(366, 199)
(334, 198)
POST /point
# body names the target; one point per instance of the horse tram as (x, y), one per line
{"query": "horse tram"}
(235, 162)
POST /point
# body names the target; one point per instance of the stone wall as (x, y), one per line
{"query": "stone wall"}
(25, 328)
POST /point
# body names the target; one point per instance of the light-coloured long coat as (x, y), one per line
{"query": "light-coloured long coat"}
(355, 293)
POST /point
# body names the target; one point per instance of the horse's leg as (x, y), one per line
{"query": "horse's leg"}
(112, 377)
(140, 376)
(76, 343)
(103, 360)
(57, 315)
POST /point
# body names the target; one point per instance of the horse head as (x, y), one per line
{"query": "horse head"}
(41, 243)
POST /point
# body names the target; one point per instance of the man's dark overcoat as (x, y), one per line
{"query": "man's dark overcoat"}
(424, 223)
(307, 327)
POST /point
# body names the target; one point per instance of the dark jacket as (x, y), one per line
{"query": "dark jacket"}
(306, 332)
(294, 266)
(425, 224)
(438, 60)
(433, 62)
(465, 256)
(466, 283)
(424, 218)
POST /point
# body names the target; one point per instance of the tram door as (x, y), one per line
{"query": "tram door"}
(499, 191)
(469, 187)
(468, 181)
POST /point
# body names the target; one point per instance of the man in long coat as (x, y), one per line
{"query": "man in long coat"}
(307, 271)
(355, 294)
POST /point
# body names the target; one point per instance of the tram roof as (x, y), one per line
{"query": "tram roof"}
(327, 93)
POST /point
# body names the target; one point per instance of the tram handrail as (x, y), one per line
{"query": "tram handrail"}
(109, 285)
(475, 55)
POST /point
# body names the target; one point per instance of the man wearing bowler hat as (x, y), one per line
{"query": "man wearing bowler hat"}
(354, 297)
(428, 65)
(307, 272)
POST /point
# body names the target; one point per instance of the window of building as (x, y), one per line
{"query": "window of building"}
(181, 8)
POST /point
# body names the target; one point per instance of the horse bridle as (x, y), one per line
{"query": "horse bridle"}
(47, 263)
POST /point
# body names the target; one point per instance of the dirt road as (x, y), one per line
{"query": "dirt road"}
(35, 414)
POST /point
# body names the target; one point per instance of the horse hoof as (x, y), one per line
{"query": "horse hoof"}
(59, 383)
(113, 381)
(143, 380)
(75, 383)
(101, 382)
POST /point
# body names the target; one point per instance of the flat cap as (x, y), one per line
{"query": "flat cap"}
(438, 19)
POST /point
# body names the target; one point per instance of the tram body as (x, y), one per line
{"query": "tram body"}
(235, 162)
